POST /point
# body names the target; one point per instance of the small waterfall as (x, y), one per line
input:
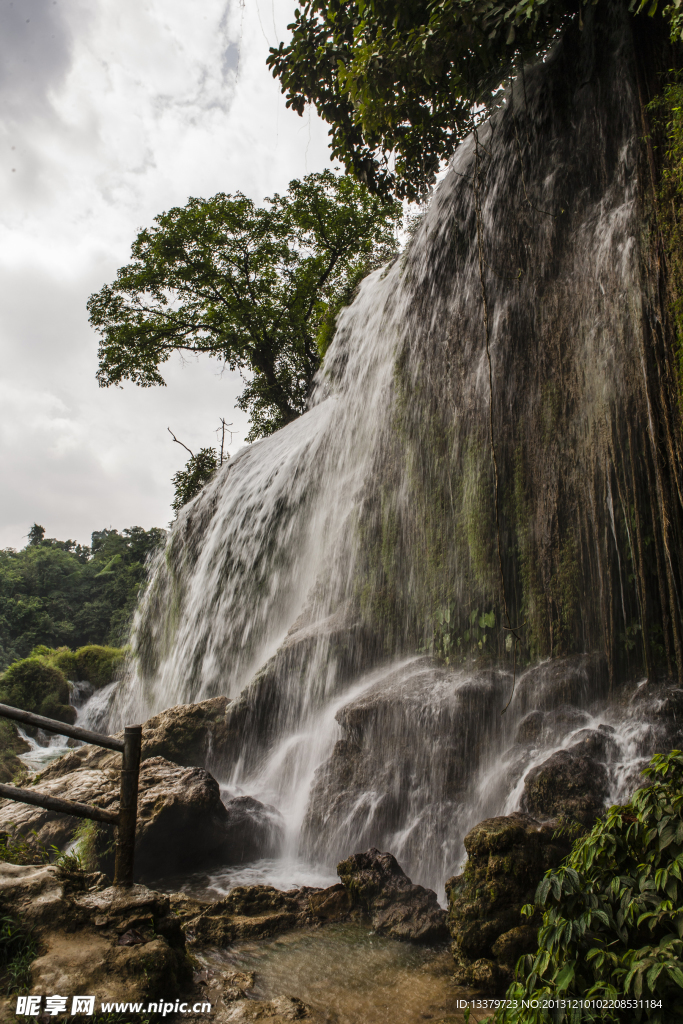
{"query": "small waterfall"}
(346, 582)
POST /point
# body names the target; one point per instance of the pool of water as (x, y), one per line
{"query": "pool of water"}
(349, 975)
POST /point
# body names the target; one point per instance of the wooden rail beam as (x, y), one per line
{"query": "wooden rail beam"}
(51, 725)
(53, 803)
(126, 819)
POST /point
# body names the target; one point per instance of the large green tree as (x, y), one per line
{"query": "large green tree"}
(257, 287)
(401, 82)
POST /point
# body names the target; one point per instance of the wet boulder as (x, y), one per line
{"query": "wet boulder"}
(254, 830)
(569, 783)
(186, 734)
(182, 823)
(259, 911)
(507, 857)
(578, 680)
(378, 885)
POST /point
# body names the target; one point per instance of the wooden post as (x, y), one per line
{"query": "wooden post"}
(128, 806)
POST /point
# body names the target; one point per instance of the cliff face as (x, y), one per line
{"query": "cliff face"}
(535, 467)
(494, 442)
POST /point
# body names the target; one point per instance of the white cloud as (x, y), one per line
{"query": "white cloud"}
(113, 113)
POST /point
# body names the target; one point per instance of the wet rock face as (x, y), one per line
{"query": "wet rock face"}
(188, 734)
(577, 681)
(377, 884)
(383, 778)
(182, 822)
(507, 857)
(568, 783)
(254, 830)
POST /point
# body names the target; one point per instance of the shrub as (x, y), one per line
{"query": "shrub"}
(34, 685)
(613, 924)
(98, 665)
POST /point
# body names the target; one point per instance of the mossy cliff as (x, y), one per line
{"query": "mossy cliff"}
(507, 857)
(532, 468)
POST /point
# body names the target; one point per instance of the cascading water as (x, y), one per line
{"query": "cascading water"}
(346, 581)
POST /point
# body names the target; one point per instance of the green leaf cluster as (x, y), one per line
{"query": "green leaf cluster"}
(401, 82)
(18, 949)
(59, 593)
(613, 918)
(198, 471)
(257, 287)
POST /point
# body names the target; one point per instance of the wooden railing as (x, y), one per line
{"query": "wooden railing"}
(126, 818)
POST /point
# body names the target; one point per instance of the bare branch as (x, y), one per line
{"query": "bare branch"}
(179, 442)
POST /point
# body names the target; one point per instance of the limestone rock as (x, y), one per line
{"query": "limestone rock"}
(185, 734)
(507, 857)
(399, 909)
(578, 680)
(569, 783)
(182, 823)
(259, 911)
(254, 829)
(78, 921)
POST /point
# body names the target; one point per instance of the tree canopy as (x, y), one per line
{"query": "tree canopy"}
(59, 593)
(257, 287)
(401, 82)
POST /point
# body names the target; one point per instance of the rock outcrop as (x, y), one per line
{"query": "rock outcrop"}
(569, 783)
(260, 911)
(397, 908)
(84, 929)
(507, 857)
(182, 822)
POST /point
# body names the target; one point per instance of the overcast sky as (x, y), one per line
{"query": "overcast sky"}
(112, 113)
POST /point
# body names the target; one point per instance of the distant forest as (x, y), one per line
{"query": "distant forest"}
(60, 593)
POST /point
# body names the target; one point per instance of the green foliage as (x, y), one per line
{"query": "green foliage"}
(58, 593)
(18, 949)
(39, 683)
(96, 664)
(16, 848)
(198, 471)
(34, 685)
(401, 83)
(257, 287)
(613, 924)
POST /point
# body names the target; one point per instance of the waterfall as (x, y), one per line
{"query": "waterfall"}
(346, 581)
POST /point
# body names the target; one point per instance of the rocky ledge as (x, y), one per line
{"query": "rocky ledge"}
(507, 857)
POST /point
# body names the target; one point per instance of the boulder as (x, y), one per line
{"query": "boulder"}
(254, 830)
(507, 857)
(379, 886)
(80, 922)
(182, 822)
(578, 680)
(186, 734)
(568, 783)
(260, 911)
